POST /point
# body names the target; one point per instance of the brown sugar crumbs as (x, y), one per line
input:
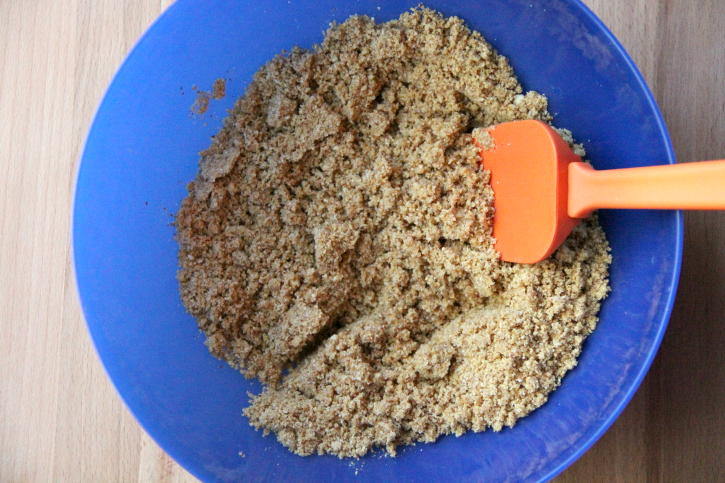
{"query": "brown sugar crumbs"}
(336, 244)
(219, 89)
(201, 103)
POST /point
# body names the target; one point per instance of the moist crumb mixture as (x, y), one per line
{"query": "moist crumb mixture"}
(336, 244)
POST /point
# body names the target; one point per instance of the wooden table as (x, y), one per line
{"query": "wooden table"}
(60, 418)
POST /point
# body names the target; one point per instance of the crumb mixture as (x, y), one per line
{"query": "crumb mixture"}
(336, 244)
(201, 103)
(219, 89)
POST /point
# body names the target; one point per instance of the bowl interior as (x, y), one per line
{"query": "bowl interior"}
(142, 150)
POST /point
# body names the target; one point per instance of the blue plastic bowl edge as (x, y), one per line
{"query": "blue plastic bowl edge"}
(678, 262)
(176, 457)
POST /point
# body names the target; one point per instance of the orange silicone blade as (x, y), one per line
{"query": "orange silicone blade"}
(528, 164)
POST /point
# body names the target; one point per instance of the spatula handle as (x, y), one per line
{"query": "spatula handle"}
(689, 186)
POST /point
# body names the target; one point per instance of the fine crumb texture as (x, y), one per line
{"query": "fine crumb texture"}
(336, 244)
(219, 89)
(201, 103)
(483, 138)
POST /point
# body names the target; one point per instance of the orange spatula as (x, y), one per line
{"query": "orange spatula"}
(543, 190)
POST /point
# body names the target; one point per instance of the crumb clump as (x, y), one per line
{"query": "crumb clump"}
(219, 89)
(336, 244)
(201, 103)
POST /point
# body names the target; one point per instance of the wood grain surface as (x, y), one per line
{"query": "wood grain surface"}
(60, 418)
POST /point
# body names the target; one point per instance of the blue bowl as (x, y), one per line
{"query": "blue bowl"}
(142, 150)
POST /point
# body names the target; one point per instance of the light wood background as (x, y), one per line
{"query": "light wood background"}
(60, 418)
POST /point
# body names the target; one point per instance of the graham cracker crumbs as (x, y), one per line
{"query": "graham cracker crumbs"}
(219, 89)
(482, 138)
(336, 244)
(201, 103)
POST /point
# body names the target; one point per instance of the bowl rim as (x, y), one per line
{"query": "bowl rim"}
(674, 282)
